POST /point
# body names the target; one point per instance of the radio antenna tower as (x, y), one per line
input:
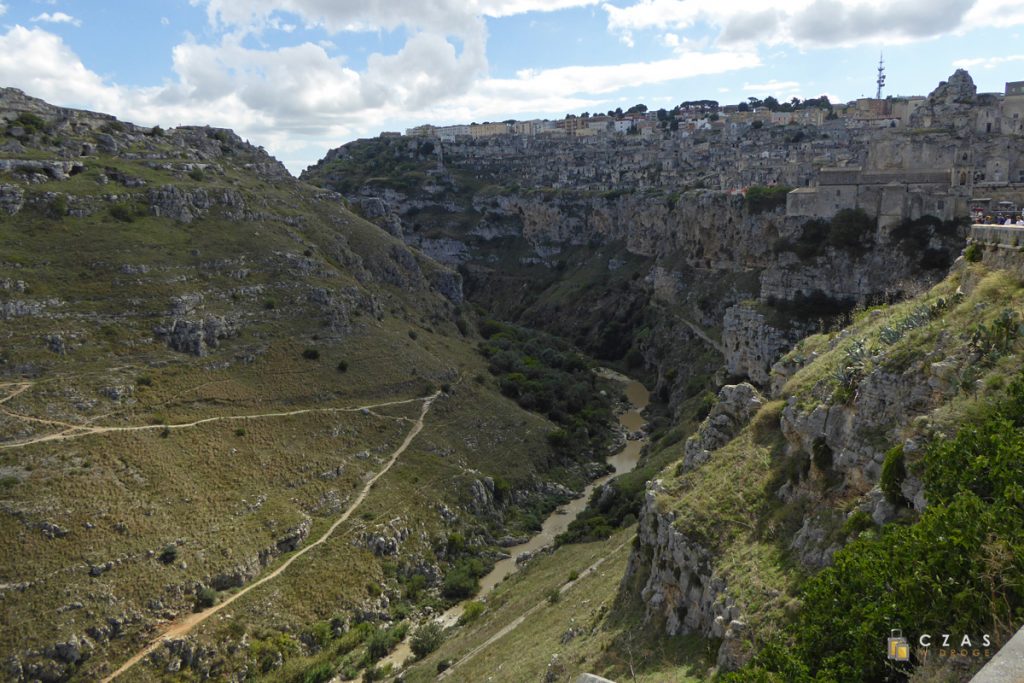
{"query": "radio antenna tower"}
(881, 77)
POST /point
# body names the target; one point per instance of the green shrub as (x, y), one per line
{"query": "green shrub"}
(761, 198)
(310, 354)
(169, 554)
(972, 253)
(856, 523)
(956, 570)
(205, 597)
(58, 207)
(462, 580)
(426, 639)
(342, 366)
(31, 123)
(471, 611)
(413, 335)
(240, 432)
(554, 596)
(122, 212)
(197, 174)
(319, 673)
(894, 472)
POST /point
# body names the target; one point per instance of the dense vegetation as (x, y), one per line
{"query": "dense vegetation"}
(545, 375)
(958, 569)
(760, 198)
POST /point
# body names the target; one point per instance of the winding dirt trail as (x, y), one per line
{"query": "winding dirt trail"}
(182, 627)
(74, 431)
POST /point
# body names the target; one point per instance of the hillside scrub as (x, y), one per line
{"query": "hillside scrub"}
(958, 569)
(545, 375)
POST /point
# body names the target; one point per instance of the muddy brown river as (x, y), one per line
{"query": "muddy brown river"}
(558, 521)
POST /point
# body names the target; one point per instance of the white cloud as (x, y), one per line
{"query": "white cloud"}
(164, 21)
(3, 9)
(56, 18)
(505, 8)
(987, 62)
(298, 101)
(818, 23)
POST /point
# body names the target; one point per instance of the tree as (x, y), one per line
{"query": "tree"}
(637, 109)
(743, 106)
(426, 639)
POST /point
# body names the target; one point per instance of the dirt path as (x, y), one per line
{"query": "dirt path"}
(518, 621)
(19, 388)
(74, 431)
(704, 336)
(182, 627)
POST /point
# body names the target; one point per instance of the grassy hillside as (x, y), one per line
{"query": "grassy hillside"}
(204, 363)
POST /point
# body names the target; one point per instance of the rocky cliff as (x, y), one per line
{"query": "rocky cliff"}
(829, 455)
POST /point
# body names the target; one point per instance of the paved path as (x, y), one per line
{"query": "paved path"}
(182, 627)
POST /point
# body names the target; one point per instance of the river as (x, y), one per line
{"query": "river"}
(558, 521)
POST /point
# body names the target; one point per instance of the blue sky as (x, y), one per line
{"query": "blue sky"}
(302, 76)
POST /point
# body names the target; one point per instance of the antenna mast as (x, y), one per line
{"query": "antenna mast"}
(881, 77)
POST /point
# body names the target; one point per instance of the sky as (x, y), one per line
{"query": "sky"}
(300, 77)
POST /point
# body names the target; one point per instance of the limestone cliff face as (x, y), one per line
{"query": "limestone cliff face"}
(497, 208)
(841, 403)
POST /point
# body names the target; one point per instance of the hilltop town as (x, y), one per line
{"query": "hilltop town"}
(947, 154)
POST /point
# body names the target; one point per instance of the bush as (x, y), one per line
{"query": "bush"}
(319, 673)
(893, 473)
(462, 580)
(58, 207)
(311, 354)
(169, 554)
(239, 432)
(850, 228)
(761, 198)
(471, 611)
(426, 639)
(957, 568)
(972, 253)
(197, 174)
(342, 366)
(413, 335)
(206, 597)
(554, 596)
(122, 212)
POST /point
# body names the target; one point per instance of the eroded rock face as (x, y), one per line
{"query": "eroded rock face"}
(681, 587)
(195, 337)
(737, 403)
(180, 205)
(12, 198)
(751, 344)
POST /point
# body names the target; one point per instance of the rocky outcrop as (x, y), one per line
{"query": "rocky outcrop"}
(12, 198)
(183, 206)
(751, 344)
(196, 337)
(681, 589)
(736, 404)
(949, 104)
